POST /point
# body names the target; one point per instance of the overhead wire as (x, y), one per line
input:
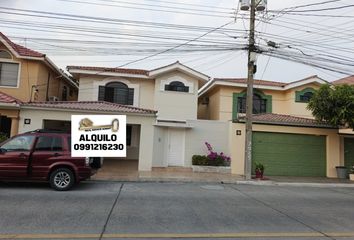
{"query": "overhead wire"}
(162, 7)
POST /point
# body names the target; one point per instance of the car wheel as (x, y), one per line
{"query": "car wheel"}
(62, 179)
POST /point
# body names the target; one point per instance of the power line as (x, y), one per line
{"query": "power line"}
(319, 15)
(149, 5)
(169, 49)
(179, 3)
(308, 5)
(317, 10)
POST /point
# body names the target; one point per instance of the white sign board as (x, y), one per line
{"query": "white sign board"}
(98, 136)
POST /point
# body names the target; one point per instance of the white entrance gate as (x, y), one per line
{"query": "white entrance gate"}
(175, 150)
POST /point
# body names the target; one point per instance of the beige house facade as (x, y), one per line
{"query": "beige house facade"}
(28, 76)
(286, 138)
(161, 108)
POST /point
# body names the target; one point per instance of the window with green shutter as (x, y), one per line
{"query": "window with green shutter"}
(261, 103)
(304, 96)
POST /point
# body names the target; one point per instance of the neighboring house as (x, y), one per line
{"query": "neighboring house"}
(28, 76)
(226, 98)
(167, 135)
(9, 114)
(347, 80)
(286, 138)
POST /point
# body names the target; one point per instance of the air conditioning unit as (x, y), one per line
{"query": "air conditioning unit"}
(53, 98)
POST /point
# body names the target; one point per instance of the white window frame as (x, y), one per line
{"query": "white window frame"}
(6, 60)
(5, 50)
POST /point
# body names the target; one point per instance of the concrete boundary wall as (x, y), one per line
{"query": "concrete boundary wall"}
(214, 132)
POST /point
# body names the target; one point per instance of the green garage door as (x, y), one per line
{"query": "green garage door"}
(290, 154)
(348, 152)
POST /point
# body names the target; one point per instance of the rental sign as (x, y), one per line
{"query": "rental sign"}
(98, 135)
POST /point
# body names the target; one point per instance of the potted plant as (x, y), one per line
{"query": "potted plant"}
(351, 173)
(259, 170)
(342, 172)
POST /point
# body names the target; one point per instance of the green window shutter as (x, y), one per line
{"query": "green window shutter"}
(269, 103)
(299, 93)
(235, 97)
(297, 96)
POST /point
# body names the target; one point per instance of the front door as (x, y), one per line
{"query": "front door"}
(14, 157)
(175, 150)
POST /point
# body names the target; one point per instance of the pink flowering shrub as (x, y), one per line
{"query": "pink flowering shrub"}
(212, 158)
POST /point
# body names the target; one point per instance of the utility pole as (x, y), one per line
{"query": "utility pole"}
(249, 100)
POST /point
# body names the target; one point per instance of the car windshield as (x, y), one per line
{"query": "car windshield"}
(19, 143)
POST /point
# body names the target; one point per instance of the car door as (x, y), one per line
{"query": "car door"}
(14, 156)
(48, 150)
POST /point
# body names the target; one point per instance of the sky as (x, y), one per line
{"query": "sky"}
(324, 40)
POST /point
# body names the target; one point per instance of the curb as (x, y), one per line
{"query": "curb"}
(296, 184)
(223, 181)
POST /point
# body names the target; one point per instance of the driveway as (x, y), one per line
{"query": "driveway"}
(111, 210)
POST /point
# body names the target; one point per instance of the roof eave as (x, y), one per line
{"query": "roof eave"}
(107, 73)
(286, 124)
(10, 105)
(51, 64)
(178, 66)
(304, 82)
(83, 110)
(214, 82)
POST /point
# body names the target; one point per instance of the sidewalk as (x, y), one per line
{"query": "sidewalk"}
(172, 174)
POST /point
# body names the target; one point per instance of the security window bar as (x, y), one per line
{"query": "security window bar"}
(116, 93)
(259, 104)
(176, 86)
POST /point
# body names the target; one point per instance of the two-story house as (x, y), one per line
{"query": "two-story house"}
(28, 76)
(161, 107)
(286, 138)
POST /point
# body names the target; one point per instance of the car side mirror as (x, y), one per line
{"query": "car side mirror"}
(2, 150)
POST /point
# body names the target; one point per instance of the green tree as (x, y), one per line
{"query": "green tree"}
(334, 105)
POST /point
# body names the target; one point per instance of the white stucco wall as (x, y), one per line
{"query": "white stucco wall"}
(176, 105)
(214, 132)
(145, 122)
(143, 89)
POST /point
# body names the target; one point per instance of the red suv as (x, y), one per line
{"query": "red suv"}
(44, 155)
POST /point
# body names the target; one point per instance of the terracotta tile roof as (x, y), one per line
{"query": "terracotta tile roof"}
(347, 80)
(22, 51)
(288, 120)
(115, 70)
(5, 98)
(90, 106)
(256, 82)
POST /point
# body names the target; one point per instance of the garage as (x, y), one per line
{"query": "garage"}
(348, 152)
(139, 131)
(286, 154)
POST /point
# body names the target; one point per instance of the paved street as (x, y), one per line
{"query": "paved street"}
(109, 210)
